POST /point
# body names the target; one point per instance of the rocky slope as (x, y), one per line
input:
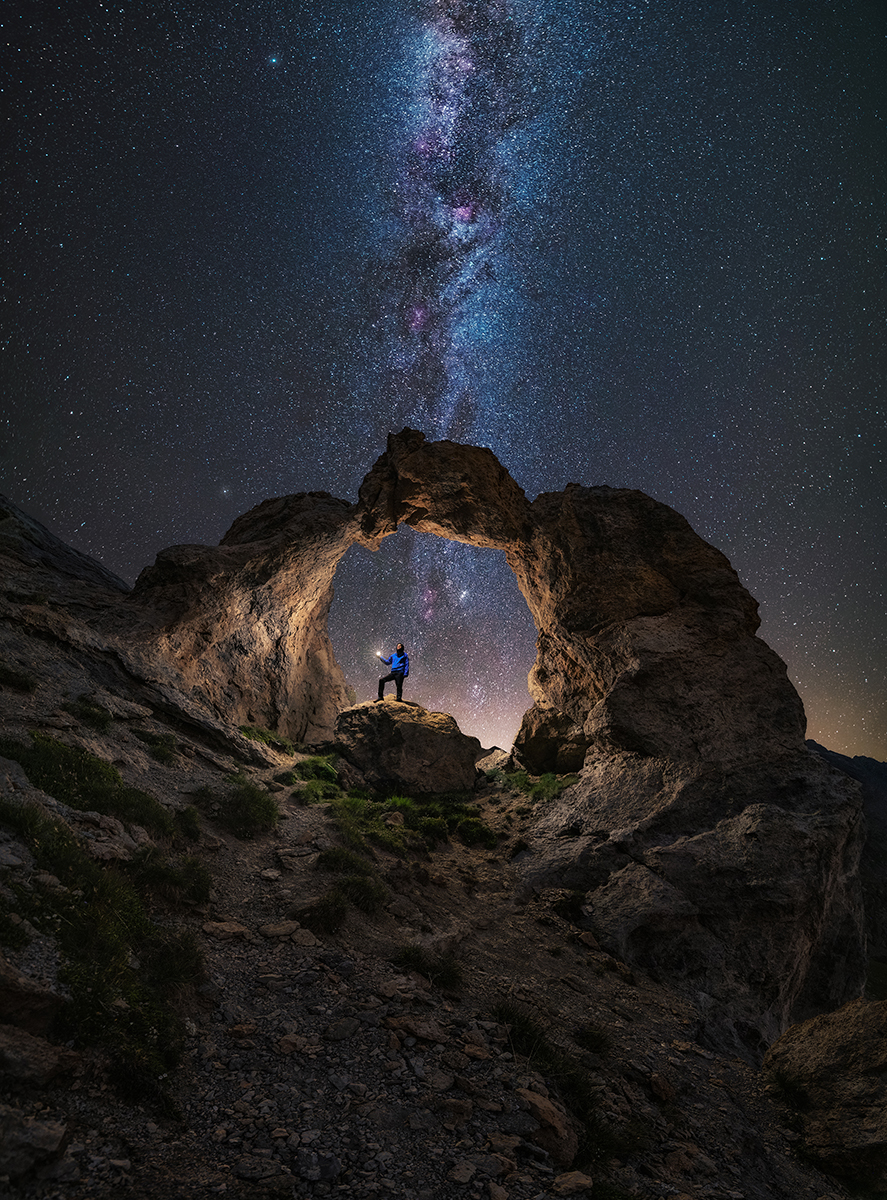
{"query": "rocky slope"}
(629, 944)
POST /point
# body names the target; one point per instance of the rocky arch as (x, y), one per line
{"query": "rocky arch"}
(711, 847)
(646, 638)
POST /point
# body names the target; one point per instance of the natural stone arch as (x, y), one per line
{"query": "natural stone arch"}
(646, 638)
(710, 846)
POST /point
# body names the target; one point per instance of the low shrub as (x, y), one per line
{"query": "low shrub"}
(545, 787)
(320, 766)
(248, 810)
(442, 970)
(528, 1036)
(363, 892)
(188, 822)
(90, 714)
(593, 1038)
(338, 858)
(186, 879)
(475, 832)
(326, 915)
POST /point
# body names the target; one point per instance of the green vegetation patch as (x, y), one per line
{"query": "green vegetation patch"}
(19, 681)
(245, 809)
(89, 713)
(326, 915)
(85, 782)
(121, 968)
(545, 787)
(361, 819)
(320, 766)
(188, 823)
(276, 740)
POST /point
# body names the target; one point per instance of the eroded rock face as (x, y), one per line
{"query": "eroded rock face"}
(246, 622)
(403, 746)
(833, 1069)
(741, 887)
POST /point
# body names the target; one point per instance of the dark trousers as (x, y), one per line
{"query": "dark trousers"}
(396, 677)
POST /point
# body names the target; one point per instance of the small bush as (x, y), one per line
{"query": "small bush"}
(442, 970)
(363, 892)
(188, 822)
(188, 879)
(338, 858)
(316, 790)
(318, 767)
(433, 829)
(19, 681)
(119, 967)
(326, 915)
(546, 787)
(268, 738)
(593, 1038)
(90, 714)
(248, 809)
(474, 832)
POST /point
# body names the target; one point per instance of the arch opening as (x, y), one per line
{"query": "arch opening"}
(460, 614)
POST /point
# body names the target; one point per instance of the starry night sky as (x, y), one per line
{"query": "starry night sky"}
(637, 244)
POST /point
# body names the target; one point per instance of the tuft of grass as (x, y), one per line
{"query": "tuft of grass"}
(268, 738)
(246, 810)
(186, 879)
(326, 915)
(90, 714)
(163, 746)
(592, 1037)
(320, 766)
(363, 892)
(545, 787)
(338, 858)
(19, 681)
(316, 790)
(443, 970)
(86, 783)
(475, 832)
(188, 822)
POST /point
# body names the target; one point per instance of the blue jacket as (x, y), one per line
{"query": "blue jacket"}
(398, 662)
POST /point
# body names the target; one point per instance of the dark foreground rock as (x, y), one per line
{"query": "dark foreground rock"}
(832, 1070)
(740, 886)
(403, 746)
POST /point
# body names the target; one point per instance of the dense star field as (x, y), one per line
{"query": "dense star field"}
(639, 244)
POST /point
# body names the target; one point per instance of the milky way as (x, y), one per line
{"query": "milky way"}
(624, 243)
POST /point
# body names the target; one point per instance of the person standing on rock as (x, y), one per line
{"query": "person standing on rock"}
(400, 668)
